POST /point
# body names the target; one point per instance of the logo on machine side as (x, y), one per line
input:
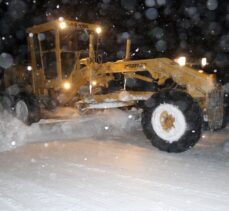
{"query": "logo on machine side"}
(135, 66)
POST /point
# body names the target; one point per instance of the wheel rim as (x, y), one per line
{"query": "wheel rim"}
(22, 112)
(168, 122)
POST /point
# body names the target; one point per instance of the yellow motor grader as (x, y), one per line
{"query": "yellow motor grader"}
(64, 70)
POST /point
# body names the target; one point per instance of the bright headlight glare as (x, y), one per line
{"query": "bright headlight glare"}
(181, 61)
(94, 83)
(98, 30)
(62, 25)
(29, 68)
(204, 62)
(67, 85)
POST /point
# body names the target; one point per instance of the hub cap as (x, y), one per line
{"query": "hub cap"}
(168, 122)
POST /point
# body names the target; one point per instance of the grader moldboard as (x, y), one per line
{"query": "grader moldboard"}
(64, 69)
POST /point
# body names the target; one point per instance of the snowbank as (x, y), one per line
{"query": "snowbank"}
(12, 132)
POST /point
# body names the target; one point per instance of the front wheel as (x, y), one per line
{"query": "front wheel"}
(27, 108)
(172, 121)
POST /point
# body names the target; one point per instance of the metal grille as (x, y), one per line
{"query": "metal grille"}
(215, 108)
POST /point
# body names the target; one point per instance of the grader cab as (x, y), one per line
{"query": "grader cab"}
(59, 53)
(65, 69)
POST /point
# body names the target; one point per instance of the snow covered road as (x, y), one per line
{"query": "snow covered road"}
(113, 169)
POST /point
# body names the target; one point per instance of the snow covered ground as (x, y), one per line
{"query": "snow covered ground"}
(104, 162)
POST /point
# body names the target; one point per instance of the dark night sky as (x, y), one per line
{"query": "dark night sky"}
(196, 28)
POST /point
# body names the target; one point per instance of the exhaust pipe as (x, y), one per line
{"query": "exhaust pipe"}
(128, 45)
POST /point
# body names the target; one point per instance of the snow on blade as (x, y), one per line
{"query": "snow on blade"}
(226, 146)
(109, 122)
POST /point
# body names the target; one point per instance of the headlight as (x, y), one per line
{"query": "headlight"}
(94, 83)
(181, 61)
(67, 85)
(204, 62)
(98, 30)
(29, 68)
(62, 25)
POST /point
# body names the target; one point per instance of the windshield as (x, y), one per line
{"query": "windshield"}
(72, 41)
(73, 44)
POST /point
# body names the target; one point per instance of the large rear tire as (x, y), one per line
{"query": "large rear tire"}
(172, 121)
